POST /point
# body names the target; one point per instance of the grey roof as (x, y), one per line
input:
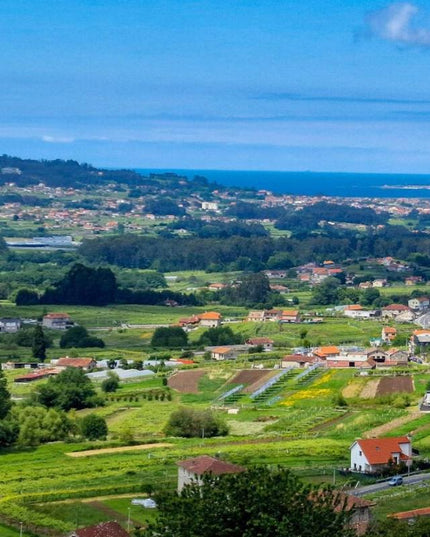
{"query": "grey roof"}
(123, 374)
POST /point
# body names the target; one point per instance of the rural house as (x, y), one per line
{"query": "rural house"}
(57, 321)
(290, 316)
(372, 455)
(192, 470)
(391, 311)
(104, 529)
(420, 341)
(227, 353)
(255, 316)
(10, 326)
(264, 342)
(211, 319)
(421, 303)
(388, 334)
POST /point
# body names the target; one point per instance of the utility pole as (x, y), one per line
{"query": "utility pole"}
(128, 521)
(20, 529)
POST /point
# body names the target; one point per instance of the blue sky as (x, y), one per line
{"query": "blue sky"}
(321, 85)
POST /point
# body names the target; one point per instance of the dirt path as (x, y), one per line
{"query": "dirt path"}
(104, 451)
(387, 427)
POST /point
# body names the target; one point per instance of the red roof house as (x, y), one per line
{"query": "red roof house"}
(372, 455)
(191, 470)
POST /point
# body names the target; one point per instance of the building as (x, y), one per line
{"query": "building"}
(209, 206)
(388, 334)
(264, 342)
(372, 455)
(255, 316)
(38, 375)
(326, 352)
(393, 310)
(298, 360)
(57, 321)
(290, 316)
(10, 326)
(411, 516)
(192, 470)
(87, 364)
(419, 304)
(420, 341)
(224, 353)
(104, 529)
(355, 311)
(211, 319)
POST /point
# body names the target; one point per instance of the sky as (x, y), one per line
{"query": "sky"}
(321, 85)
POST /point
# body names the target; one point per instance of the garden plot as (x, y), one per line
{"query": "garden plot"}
(389, 385)
(186, 381)
(251, 378)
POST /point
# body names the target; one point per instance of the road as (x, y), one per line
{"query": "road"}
(369, 489)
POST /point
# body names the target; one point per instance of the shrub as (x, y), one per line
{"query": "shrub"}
(191, 423)
(94, 427)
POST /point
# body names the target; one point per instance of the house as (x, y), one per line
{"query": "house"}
(272, 315)
(359, 510)
(350, 359)
(104, 529)
(57, 321)
(217, 286)
(421, 303)
(377, 355)
(87, 364)
(290, 316)
(372, 455)
(413, 280)
(224, 353)
(255, 316)
(10, 326)
(192, 470)
(420, 341)
(187, 322)
(264, 342)
(211, 319)
(397, 357)
(388, 334)
(325, 352)
(393, 310)
(273, 274)
(379, 283)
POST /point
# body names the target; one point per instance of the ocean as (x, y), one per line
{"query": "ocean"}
(363, 185)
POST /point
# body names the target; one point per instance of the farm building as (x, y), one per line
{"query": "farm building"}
(192, 470)
(255, 316)
(37, 375)
(298, 360)
(82, 363)
(57, 321)
(104, 529)
(227, 353)
(372, 455)
(411, 516)
(290, 316)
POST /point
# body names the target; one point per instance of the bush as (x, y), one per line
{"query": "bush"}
(94, 427)
(110, 384)
(191, 423)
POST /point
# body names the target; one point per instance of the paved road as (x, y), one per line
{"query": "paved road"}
(411, 480)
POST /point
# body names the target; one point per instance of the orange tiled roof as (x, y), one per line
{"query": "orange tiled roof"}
(210, 316)
(381, 450)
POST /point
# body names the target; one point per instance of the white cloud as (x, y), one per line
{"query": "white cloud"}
(58, 139)
(395, 23)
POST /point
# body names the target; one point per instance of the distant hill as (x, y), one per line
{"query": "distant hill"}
(72, 174)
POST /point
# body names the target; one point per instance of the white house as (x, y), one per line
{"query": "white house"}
(57, 321)
(10, 325)
(421, 303)
(372, 455)
(192, 470)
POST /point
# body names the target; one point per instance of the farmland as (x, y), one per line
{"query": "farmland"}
(304, 429)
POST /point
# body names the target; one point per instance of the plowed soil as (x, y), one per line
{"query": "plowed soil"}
(249, 376)
(186, 381)
(388, 385)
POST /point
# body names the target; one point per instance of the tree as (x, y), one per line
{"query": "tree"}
(26, 297)
(38, 424)
(9, 430)
(94, 427)
(220, 335)
(171, 337)
(70, 389)
(326, 292)
(111, 383)
(5, 403)
(191, 423)
(78, 336)
(38, 347)
(261, 501)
